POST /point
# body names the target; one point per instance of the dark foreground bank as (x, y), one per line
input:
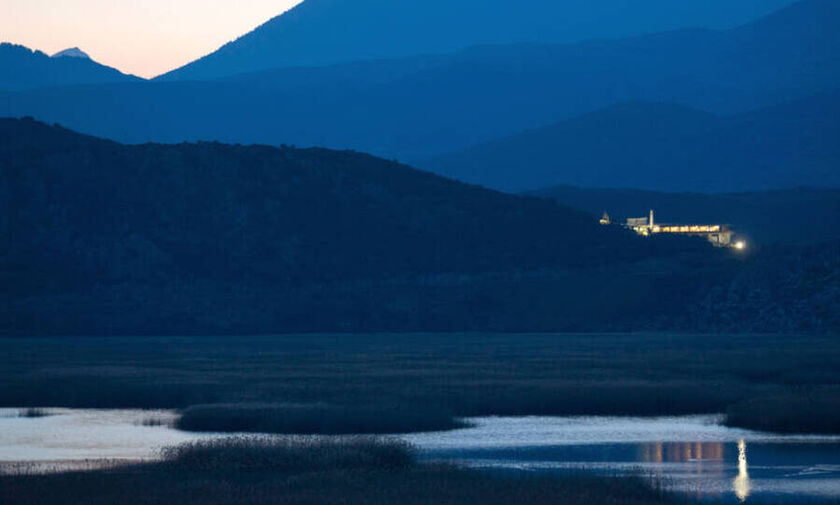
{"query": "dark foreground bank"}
(361, 471)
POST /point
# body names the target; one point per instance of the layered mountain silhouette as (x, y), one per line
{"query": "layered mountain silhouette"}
(665, 147)
(24, 68)
(320, 32)
(414, 108)
(797, 216)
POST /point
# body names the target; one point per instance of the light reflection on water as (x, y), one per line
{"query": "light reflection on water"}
(692, 454)
(679, 452)
(741, 484)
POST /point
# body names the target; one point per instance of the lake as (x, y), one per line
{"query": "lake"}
(690, 454)
(695, 455)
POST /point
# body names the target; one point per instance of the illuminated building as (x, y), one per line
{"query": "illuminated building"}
(718, 234)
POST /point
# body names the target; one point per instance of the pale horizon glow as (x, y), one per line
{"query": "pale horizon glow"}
(140, 37)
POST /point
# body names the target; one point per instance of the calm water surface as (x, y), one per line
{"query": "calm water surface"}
(692, 454)
(82, 439)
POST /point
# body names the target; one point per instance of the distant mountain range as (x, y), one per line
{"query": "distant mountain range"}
(799, 216)
(324, 32)
(665, 147)
(418, 107)
(27, 69)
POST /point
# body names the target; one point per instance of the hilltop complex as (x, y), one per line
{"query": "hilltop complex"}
(718, 234)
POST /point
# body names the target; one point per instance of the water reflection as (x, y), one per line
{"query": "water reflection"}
(680, 452)
(697, 453)
(741, 484)
(694, 455)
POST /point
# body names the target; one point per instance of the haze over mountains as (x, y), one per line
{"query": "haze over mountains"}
(418, 107)
(23, 68)
(321, 32)
(664, 147)
(747, 108)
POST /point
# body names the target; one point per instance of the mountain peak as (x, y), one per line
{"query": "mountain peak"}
(25, 68)
(73, 52)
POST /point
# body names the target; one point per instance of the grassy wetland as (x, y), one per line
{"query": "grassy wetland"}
(309, 419)
(385, 383)
(313, 471)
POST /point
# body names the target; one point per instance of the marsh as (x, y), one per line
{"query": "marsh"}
(623, 385)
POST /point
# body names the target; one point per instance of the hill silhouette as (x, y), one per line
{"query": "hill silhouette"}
(664, 147)
(415, 108)
(322, 32)
(27, 69)
(104, 238)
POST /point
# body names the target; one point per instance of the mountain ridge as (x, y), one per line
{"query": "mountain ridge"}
(668, 147)
(373, 29)
(415, 108)
(26, 69)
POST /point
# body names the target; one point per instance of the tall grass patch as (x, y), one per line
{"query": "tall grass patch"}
(314, 419)
(315, 471)
(797, 412)
(297, 455)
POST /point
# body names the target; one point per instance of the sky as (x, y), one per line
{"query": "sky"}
(141, 37)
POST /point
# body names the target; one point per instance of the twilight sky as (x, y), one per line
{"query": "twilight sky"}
(142, 37)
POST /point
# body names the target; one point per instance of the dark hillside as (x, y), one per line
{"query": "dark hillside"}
(783, 290)
(213, 237)
(208, 238)
(285, 213)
